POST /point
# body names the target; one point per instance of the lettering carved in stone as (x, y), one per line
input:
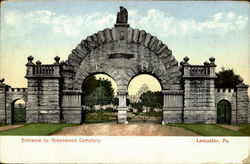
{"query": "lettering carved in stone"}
(121, 56)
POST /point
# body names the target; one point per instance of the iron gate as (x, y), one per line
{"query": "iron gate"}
(97, 116)
(224, 112)
(19, 115)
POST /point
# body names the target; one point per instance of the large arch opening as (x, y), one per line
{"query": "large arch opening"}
(122, 53)
(145, 99)
(99, 99)
(224, 112)
(18, 110)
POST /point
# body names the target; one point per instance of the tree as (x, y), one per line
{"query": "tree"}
(90, 85)
(98, 97)
(94, 89)
(107, 86)
(227, 79)
(151, 99)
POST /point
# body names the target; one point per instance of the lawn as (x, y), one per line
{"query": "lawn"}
(100, 117)
(35, 129)
(214, 130)
(244, 128)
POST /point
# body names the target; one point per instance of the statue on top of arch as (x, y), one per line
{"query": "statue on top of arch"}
(122, 16)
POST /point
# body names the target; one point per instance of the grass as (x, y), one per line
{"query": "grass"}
(213, 130)
(244, 128)
(99, 117)
(40, 129)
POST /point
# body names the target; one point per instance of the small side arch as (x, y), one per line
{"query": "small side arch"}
(18, 111)
(224, 112)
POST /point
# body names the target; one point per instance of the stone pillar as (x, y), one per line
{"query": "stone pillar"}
(248, 112)
(199, 92)
(172, 106)
(122, 107)
(2, 102)
(242, 101)
(71, 106)
(43, 93)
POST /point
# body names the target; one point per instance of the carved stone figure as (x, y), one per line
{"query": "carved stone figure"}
(2, 80)
(122, 16)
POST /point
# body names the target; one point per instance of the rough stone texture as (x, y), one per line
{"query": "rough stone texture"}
(148, 55)
(230, 96)
(122, 53)
(2, 102)
(43, 101)
(122, 108)
(242, 103)
(248, 111)
(199, 101)
(12, 95)
(207, 116)
(199, 92)
(71, 107)
(172, 106)
(72, 115)
(43, 93)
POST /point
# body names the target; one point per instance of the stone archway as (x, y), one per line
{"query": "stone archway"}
(146, 101)
(12, 95)
(123, 53)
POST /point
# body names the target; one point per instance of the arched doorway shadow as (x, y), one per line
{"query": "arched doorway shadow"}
(98, 99)
(224, 112)
(145, 99)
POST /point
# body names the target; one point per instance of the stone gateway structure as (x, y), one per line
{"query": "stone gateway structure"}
(54, 92)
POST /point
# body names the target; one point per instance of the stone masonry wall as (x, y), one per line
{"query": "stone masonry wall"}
(199, 101)
(248, 111)
(230, 96)
(12, 95)
(43, 101)
(2, 103)
(242, 103)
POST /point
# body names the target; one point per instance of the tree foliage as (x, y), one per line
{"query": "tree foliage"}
(151, 99)
(97, 92)
(98, 97)
(227, 79)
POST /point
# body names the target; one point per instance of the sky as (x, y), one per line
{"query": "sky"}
(199, 30)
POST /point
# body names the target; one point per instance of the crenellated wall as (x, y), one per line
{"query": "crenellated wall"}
(8, 97)
(228, 94)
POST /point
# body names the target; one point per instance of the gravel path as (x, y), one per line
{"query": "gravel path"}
(9, 127)
(230, 127)
(133, 129)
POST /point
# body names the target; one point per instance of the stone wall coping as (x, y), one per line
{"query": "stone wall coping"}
(72, 91)
(242, 86)
(119, 25)
(43, 77)
(173, 92)
(122, 93)
(199, 77)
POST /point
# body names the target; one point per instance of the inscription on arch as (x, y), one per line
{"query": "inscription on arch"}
(121, 56)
